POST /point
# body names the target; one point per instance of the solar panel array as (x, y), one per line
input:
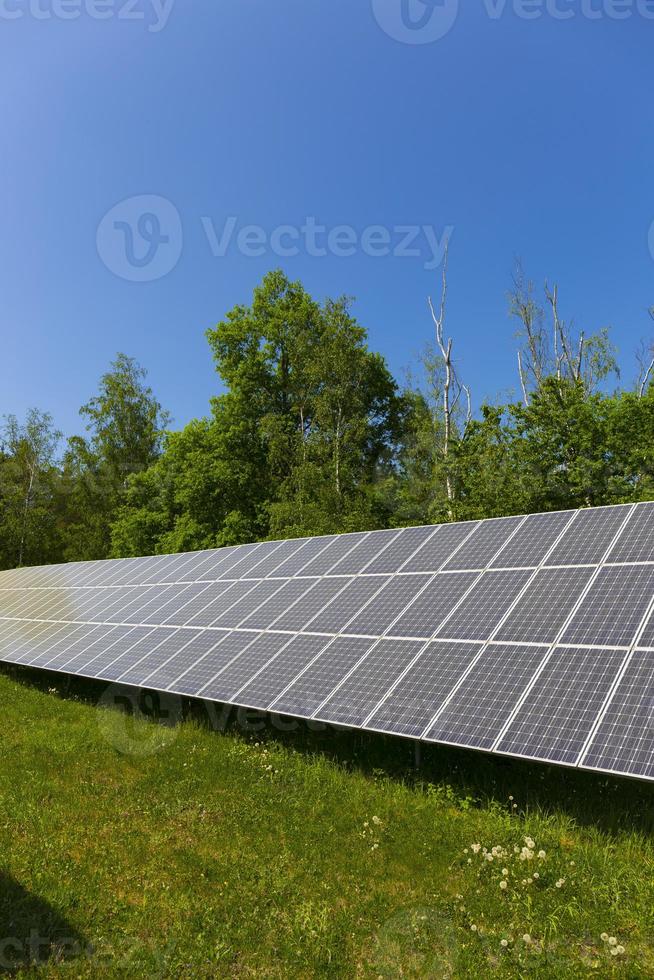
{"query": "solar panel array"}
(527, 636)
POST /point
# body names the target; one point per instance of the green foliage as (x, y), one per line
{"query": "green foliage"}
(312, 436)
(30, 492)
(125, 426)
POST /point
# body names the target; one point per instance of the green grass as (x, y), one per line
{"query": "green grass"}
(135, 849)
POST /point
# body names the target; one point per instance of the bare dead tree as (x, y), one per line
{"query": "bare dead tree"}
(533, 357)
(563, 339)
(453, 389)
(645, 359)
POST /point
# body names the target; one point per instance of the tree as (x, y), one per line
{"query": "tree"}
(29, 490)
(560, 352)
(126, 426)
(301, 442)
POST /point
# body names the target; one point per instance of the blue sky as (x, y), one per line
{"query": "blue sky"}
(528, 136)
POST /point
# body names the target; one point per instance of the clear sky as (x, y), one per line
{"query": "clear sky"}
(527, 128)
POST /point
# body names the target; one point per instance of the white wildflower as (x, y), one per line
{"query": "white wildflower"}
(504, 942)
(376, 821)
(526, 938)
(619, 949)
(475, 848)
(613, 941)
(504, 884)
(542, 855)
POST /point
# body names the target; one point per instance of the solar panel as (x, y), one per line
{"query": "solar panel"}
(559, 711)
(532, 637)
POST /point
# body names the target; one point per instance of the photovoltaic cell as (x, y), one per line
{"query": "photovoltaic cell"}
(230, 645)
(176, 606)
(173, 641)
(61, 647)
(126, 653)
(362, 554)
(100, 643)
(483, 703)
(153, 601)
(383, 609)
(60, 639)
(296, 563)
(269, 555)
(54, 657)
(624, 740)
(400, 550)
(531, 542)
(95, 666)
(440, 546)
(543, 609)
(216, 607)
(559, 712)
(636, 543)
(262, 690)
(205, 595)
(425, 615)
(238, 558)
(590, 534)
(286, 550)
(414, 701)
(225, 685)
(235, 615)
(484, 606)
(367, 684)
(279, 603)
(613, 608)
(334, 616)
(325, 560)
(311, 603)
(317, 682)
(26, 639)
(184, 656)
(481, 547)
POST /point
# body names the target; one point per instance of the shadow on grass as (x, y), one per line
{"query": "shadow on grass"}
(32, 932)
(609, 803)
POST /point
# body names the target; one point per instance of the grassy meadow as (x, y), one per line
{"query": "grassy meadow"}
(196, 846)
